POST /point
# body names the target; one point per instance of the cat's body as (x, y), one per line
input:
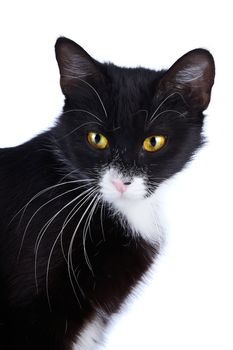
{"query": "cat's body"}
(78, 226)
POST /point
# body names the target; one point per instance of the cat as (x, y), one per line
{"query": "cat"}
(78, 225)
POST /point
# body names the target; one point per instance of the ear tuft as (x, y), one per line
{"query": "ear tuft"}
(75, 64)
(193, 76)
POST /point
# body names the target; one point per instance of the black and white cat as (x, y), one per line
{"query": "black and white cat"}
(78, 225)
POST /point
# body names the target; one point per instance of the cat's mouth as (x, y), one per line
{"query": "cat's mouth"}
(117, 187)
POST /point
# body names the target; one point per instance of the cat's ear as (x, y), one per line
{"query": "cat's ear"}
(191, 76)
(75, 64)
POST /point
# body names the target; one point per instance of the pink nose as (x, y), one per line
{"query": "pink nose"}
(120, 186)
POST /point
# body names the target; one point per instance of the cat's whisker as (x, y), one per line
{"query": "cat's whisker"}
(66, 326)
(41, 207)
(67, 175)
(47, 224)
(101, 221)
(162, 103)
(164, 112)
(84, 111)
(70, 260)
(24, 208)
(79, 127)
(95, 191)
(85, 230)
(77, 277)
(72, 213)
(44, 229)
(93, 89)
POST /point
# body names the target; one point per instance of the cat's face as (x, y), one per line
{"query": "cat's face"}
(131, 129)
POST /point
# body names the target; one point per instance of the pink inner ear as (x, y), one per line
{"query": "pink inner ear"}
(119, 185)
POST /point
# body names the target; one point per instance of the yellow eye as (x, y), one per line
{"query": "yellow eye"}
(98, 141)
(153, 143)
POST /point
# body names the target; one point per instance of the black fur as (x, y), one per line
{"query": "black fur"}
(36, 313)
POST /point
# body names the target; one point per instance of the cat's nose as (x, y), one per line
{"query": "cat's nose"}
(120, 185)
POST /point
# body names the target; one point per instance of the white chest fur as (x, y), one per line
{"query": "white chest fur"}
(141, 217)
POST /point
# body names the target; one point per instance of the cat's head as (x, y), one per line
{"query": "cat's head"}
(130, 129)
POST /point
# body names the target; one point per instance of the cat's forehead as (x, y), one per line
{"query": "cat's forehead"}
(125, 79)
(131, 94)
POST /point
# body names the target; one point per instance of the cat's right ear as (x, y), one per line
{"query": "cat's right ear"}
(75, 64)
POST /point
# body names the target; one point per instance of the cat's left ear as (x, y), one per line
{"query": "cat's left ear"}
(75, 64)
(193, 77)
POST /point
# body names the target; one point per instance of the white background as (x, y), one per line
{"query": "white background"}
(187, 303)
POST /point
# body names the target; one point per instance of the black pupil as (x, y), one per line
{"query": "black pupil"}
(97, 138)
(153, 141)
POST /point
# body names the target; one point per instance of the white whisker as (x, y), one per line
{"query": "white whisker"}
(88, 194)
(47, 224)
(161, 104)
(24, 208)
(84, 111)
(70, 261)
(93, 89)
(79, 127)
(166, 111)
(101, 221)
(77, 276)
(67, 175)
(41, 207)
(72, 213)
(85, 230)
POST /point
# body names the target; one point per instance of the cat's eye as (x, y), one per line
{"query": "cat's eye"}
(154, 143)
(97, 140)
